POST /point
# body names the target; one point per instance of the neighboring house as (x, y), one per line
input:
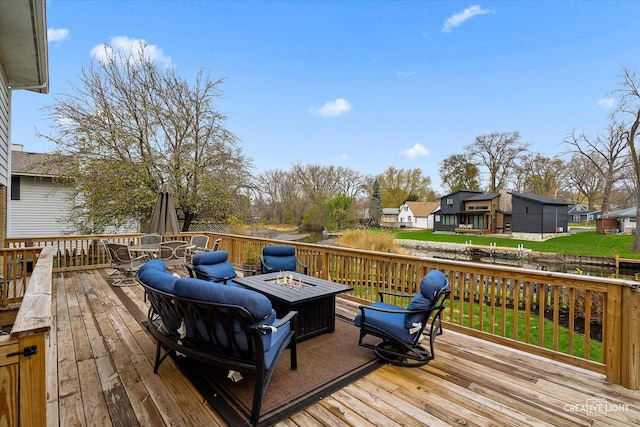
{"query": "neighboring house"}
(580, 213)
(389, 217)
(533, 214)
(417, 214)
(482, 212)
(24, 65)
(451, 208)
(626, 219)
(40, 202)
(42, 199)
(526, 215)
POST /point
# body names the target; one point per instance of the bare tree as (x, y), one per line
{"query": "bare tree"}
(585, 178)
(607, 153)
(279, 198)
(538, 174)
(629, 113)
(133, 125)
(497, 153)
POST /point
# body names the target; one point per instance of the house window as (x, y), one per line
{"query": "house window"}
(15, 188)
(449, 220)
(450, 202)
(409, 218)
(526, 210)
(437, 218)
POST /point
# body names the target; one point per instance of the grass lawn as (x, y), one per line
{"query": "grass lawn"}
(585, 243)
(563, 346)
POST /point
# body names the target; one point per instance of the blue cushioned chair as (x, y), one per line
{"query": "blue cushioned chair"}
(280, 258)
(402, 329)
(224, 326)
(214, 266)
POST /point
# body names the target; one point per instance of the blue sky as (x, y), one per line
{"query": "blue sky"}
(365, 84)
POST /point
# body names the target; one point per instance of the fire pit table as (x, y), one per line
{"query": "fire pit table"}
(314, 299)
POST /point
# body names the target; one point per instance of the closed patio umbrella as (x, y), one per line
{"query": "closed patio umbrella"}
(164, 219)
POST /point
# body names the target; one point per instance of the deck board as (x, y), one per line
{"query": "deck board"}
(100, 372)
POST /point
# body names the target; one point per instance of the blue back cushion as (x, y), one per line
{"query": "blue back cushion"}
(157, 279)
(154, 264)
(430, 285)
(213, 266)
(279, 258)
(256, 304)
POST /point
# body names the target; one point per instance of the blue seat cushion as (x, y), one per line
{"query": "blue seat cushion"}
(430, 285)
(213, 266)
(391, 323)
(279, 258)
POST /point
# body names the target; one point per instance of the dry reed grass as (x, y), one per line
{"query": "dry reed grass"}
(371, 240)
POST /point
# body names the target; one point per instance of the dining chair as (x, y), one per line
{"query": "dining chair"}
(123, 262)
(199, 243)
(174, 253)
(150, 239)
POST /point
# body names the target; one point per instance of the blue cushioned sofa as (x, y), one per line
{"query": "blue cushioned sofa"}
(224, 326)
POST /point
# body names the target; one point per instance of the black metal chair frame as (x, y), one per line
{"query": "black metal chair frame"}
(399, 352)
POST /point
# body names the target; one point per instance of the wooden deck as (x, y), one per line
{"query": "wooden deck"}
(100, 373)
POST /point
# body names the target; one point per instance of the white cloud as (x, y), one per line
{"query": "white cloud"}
(57, 34)
(334, 108)
(343, 157)
(606, 102)
(418, 150)
(123, 44)
(457, 19)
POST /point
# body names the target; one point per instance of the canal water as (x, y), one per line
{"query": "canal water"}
(561, 267)
(461, 255)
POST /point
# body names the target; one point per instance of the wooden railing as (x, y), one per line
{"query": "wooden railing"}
(585, 321)
(23, 351)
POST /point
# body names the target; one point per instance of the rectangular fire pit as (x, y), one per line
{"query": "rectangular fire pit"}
(314, 299)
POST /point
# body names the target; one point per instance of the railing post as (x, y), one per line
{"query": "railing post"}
(325, 266)
(630, 341)
(612, 344)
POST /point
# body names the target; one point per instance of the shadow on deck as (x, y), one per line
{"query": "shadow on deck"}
(100, 372)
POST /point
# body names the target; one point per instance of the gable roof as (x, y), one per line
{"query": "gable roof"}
(622, 213)
(461, 191)
(479, 197)
(422, 209)
(540, 199)
(36, 164)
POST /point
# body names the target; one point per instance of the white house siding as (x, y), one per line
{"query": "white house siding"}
(41, 211)
(407, 218)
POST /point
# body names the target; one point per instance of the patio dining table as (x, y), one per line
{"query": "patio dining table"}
(151, 250)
